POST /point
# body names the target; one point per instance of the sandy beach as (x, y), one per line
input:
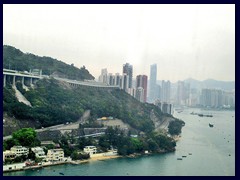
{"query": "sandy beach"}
(176, 138)
(100, 158)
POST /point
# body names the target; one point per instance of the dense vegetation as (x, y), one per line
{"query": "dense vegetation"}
(73, 147)
(24, 137)
(117, 139)
(175, 127)
(55, 103)
(154, 142)
(15, 59)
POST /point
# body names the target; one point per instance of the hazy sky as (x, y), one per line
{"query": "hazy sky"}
(185, 41)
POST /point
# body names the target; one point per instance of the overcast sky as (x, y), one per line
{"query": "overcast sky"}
(196, 41)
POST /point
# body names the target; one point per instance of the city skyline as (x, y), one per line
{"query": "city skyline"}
(185, 41)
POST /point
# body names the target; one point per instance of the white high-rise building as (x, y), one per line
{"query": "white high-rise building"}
(153, 80)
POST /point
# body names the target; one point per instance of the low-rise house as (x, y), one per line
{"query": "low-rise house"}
(20, 150)
(39, 153)
(55, 155)
(90, 150)
(11, 167)
(8, 155)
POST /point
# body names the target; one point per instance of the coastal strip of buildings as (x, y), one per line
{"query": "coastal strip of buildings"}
(53, 157)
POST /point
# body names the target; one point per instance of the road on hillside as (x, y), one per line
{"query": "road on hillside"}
(68, 126)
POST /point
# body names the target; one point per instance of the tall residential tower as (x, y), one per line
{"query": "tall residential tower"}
(153, 80)
(128, 70)
(141, 81)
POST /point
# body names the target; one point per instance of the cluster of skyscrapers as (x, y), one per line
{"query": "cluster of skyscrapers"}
(216, 98)
(162, 93)
(125, 82)
(139, 90)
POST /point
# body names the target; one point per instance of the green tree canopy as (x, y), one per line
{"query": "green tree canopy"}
(26, 137)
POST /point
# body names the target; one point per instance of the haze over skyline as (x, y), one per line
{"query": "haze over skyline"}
(196, 41)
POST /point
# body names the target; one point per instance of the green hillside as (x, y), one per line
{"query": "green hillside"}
(15, 59)
(54, 102)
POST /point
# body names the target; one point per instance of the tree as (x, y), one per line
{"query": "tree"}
(10, 143)
(31, 155)
(26, 137)
(153, 146)
(175, 127)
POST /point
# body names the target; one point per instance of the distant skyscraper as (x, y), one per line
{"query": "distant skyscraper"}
(158, 90)
(183, 92)
(104, 76)
(141, 81)
(139, 94)
(128, 69)
(118, 79)
(125, 82)
(213, 98)
(180, 93)
(166, 90)
(111, 79)
(153, 80)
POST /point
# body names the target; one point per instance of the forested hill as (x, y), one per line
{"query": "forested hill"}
(54, 103)
(15, 59)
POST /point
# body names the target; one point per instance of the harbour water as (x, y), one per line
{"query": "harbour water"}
(209, 151)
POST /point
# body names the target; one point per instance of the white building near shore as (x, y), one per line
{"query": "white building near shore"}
(90, 150)
(20, 150)
(55, 155)
(8, 155)
(39, 153)
(16, 166)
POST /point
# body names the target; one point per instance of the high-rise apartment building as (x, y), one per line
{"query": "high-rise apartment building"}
(118, 79)
(139, 94)
(183, 92)
(153, 80)
(128, 70)
(111, 79)
(125, 82)
(214, 98)
(104, 76)
(141, 81)
(166, 90)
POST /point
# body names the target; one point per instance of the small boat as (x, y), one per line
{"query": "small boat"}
(201, 115)
(189, 153)
(179, 158)
(210, 125)
(61, 173)
(209, 115)
(184, 156)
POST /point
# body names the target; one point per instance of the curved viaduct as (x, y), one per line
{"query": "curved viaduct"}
(11, 76)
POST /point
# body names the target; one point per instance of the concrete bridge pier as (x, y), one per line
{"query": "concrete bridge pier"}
(4, 80)
(14, 81)
(23, 84)
(23, 81)
(31, 82)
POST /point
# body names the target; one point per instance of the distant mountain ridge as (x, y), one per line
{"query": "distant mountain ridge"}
(17, 60)
(208, 83)
(211, 83)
